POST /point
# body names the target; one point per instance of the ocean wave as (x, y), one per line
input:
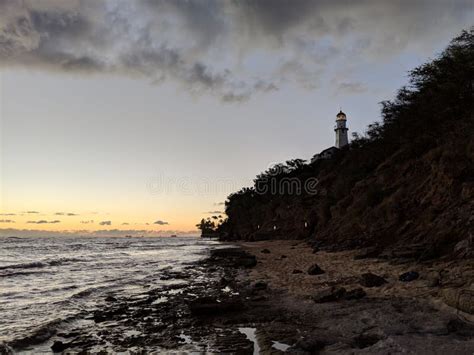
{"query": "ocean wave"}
(41, 264)
(34, 264)
(61, 261)
(86, 292)
(19, 273)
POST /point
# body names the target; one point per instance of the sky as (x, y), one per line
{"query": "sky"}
(140, 117)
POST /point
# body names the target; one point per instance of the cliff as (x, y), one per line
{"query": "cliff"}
(409, 181)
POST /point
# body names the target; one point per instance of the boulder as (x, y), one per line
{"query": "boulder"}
(408, 276)
(372, 280)
(315, 270)
(265, 251)
(59, 346)
(330, 294)
(459, 298)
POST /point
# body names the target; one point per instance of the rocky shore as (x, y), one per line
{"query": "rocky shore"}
(284, 296)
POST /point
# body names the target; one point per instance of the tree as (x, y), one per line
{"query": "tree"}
(207, 227)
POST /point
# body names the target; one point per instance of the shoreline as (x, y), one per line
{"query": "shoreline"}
(396, 316)
(247, 296)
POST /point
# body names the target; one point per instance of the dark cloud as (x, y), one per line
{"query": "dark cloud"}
(87, 222)
(32, 212)
(6, 221)
(161, 223)
(43, 221)
(105, 223)
(214, 212)
(7, 214)
(210, 46)
(219, 203)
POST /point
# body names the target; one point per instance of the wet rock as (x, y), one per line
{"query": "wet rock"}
(5, 349)
(110, 299)
(258, 298)
(355, 294)
(174, 275)
(59, 346)
(234, 257)
(296, 271)
(224, 281)
(409, 276)
(330, 294)
(365, 340)
(312, 346)
(260, 285)
(315, 270)
(265, 251)
(207, 306)
(372, 280)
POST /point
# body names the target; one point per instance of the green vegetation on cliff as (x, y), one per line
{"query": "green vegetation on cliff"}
(409, 180)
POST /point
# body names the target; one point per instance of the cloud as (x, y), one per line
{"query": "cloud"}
(105, 223)
(219, 203)
(351, 88)
(229, 49)
(43, 221)
(87, 222)
(214, 212)
(161, 223)
(125, 224)
(66, 214)
(6, 221)
(31, 212)
(7, 214)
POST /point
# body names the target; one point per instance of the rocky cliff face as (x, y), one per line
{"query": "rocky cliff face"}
(408, 181)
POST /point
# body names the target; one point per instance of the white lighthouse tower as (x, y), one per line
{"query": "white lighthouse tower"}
(341, 130)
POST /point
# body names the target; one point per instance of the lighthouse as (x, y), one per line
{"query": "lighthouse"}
(341, 130)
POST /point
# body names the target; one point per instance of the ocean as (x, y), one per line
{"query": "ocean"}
(48, 283)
